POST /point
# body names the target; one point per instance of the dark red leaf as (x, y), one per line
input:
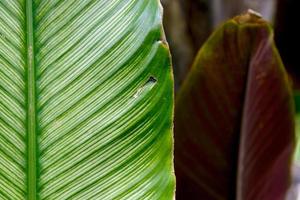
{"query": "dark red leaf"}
(234, 118)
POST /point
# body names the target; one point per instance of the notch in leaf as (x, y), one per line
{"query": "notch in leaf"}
(234, 117)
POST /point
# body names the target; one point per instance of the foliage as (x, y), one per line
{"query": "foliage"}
(234, 130)
(86, 100)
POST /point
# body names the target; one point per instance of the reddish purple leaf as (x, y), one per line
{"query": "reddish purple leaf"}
(234, 128)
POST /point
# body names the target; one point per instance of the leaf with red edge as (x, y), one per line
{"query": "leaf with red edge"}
(234, 118)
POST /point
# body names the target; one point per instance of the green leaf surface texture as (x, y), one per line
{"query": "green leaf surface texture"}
(86, 100)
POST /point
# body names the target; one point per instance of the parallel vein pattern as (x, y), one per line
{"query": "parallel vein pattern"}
(104, 101)
(12, 101)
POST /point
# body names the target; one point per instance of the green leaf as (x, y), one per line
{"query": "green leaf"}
(234, 118)
(297, 152)
(297, 119)
(86, 100)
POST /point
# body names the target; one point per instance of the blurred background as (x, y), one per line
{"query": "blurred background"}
(188, 23)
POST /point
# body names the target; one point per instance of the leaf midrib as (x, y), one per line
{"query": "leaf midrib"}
(31, 123)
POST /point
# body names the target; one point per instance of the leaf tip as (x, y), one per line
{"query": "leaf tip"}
(250, 16)
(254, 13)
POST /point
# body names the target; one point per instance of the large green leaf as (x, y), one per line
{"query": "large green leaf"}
(234, 118)
(85, 100)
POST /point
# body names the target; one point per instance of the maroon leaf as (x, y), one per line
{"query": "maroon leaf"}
(234, 128)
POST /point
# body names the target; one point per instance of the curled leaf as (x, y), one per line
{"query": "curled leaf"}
(234, 127)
